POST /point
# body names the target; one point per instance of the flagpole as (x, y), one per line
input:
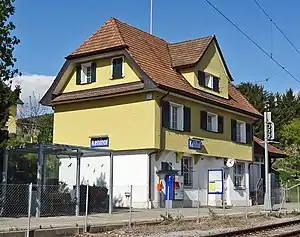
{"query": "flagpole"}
(151, 17)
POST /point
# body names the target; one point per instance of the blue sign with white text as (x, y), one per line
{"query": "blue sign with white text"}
(99, 142)
(194, 143)
(169, 192)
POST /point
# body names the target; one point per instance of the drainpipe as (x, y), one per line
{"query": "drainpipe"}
(161, 148)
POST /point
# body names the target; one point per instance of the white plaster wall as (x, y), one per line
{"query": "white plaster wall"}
(200, 179)
(67, 171)
(128, 170)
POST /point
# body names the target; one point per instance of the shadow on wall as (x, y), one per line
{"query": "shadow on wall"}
(241, 192)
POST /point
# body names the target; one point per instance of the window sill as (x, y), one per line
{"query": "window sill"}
(188, 186)
(242, 143)
(85, 83)
(176, 130)
(211, 89)
(211, 131)
(116, 78)
(239, 188)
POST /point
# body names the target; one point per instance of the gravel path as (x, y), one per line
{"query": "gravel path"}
(187, 229)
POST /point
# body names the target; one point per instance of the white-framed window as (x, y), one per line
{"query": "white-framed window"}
(208, 80)
(86, 73)
(187, 171)
(241, 131)
(239, 175)
(212, 122)
(176, 116)
(117, 67)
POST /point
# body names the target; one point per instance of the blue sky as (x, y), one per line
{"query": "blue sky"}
(50, 30)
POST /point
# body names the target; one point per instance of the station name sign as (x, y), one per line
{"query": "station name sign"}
(99, 142)
(194, 143)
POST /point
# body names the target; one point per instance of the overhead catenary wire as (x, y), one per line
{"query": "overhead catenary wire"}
(253, 42)
(277, 27)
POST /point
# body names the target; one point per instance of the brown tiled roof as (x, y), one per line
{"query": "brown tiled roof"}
(188, 52)
(156, 58)
(271, 149)
(97, 92)
(107, 36)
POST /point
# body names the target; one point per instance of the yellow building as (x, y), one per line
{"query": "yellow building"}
(11, 125)
(162, 107)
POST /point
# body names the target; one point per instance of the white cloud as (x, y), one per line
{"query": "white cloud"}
(32, 83)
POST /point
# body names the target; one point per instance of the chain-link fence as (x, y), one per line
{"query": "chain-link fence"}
(14, 204)
(22, 207)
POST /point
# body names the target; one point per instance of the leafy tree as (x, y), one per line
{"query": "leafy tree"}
(258, 97)
(7, 60)
(291, 139)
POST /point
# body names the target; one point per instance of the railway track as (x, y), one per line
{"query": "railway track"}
(288, 228)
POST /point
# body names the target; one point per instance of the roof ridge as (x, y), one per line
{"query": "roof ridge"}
(115, 21)
(186, 41)
(110, 20)
(118, 21)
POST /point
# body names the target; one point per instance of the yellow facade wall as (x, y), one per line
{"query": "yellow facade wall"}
(214, 144)
(11, 123)
(129, 121)
(103, 76)
(211, 63)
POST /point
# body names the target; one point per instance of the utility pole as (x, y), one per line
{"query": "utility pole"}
(151, 11)
(268, 135)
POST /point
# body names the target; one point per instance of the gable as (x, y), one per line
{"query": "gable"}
(155, 62)
(211, 62)
(103, 75)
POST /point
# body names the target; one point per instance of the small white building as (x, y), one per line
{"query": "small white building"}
(140, 171)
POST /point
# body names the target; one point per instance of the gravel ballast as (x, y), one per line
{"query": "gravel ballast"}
(207, 225)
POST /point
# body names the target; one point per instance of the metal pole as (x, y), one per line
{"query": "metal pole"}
(198, 205)
(286, 191)
(86, 207)
(111, 184)
(130, 207)
(247, 202)
(151, 12)
(223, 203)
(267, 201)
(39, 181)
(44, 173)
(29, 208)
(298, 196)
(4, 179)
(78, 182)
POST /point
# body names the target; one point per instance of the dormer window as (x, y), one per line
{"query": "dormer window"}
(209, 81)
(86, 73)
(118, 68)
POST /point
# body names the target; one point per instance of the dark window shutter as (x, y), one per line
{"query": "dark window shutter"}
(216, 82)
(117, 68)
(249, 133)
(203, 120)
(220, 124)
(233, 130)
(78, 75)
(201, 78)
(93, 72)
(187, 119)
(165, 107)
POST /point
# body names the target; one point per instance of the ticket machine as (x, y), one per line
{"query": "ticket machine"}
(170, 188)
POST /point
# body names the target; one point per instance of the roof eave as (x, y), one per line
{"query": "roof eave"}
(257, 116)
(80, 55)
